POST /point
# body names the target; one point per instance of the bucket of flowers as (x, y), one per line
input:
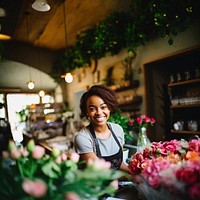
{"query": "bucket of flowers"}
(29, 173)
(168, 170)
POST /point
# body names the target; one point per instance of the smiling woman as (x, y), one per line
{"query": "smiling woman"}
(100, 139)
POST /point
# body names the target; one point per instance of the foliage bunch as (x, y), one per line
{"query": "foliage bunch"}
(29, 173)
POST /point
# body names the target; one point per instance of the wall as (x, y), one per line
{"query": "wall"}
(151, 51)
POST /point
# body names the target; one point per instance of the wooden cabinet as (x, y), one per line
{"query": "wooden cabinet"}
(185, 106)
(169, 92)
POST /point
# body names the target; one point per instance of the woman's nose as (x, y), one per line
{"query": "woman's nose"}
(99, 111)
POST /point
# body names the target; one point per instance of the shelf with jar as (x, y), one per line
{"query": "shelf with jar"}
(185, 105)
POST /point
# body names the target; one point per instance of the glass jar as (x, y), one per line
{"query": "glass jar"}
(143, 140)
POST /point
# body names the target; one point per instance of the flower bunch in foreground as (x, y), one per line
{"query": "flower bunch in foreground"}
(172, 166)
(29, 173)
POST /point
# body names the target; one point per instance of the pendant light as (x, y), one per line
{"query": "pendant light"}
(30, 84)
(41, 6)
(41, 92)
(68, 76)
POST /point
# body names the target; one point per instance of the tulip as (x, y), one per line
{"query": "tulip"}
(30, 146)
(15, 154)
(38, 152)
(55, 152)
(35, 188)
(71, 196)
(75, 157)
(115, 184)
(11, 145)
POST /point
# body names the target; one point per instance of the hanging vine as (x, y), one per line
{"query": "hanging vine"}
(146, 20)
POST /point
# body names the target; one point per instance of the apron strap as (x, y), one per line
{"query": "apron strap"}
(96, 141)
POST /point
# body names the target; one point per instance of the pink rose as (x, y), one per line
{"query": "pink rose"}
(154, 181)
(139, 120)
(186, 175)
(194, 145)
(153, 120)
(35, 188)
(147, 119)
(38, 152)
(131, 122)
(71, 196)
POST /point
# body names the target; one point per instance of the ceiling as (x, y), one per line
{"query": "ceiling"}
(47, 29)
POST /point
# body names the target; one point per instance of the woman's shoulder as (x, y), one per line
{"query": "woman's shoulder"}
(114, 125)
(83, 133)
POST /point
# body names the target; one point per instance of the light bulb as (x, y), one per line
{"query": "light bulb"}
(68, 77)
(31, 85)
(41, 93)
(41, 5)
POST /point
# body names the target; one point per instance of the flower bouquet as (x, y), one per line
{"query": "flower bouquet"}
(28, 173)
(140, 124)
(168, 170)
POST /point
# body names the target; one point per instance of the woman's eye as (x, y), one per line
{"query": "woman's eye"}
(91, 109)
(104, 107)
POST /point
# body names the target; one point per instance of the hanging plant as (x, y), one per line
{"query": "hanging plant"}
(146, 20)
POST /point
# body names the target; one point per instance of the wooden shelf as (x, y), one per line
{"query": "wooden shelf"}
(194, 81)
(133, 85)
(186, 132)
(185, 105)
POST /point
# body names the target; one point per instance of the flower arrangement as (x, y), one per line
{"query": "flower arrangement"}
(141, 121)
(29, 173)
(139, 124)
(168, 170)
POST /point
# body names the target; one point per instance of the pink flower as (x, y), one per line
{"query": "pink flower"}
(186, 175)
(35, 188)
(75, 157)
(15, 154)
(139, 120)
(114, 184)
(38, 152)
(194, 145)
(99, 164)
(153, 120)
(71, 196)
(55, 152)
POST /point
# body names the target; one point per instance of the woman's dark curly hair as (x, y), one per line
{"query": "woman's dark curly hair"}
(105, 93)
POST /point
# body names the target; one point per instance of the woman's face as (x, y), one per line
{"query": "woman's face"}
(97, 110)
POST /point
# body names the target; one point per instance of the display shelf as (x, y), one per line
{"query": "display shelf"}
(185, 105)
(186, 132)
(193, 81)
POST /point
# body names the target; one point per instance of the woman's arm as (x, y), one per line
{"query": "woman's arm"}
(87, 156)
(124, 167)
